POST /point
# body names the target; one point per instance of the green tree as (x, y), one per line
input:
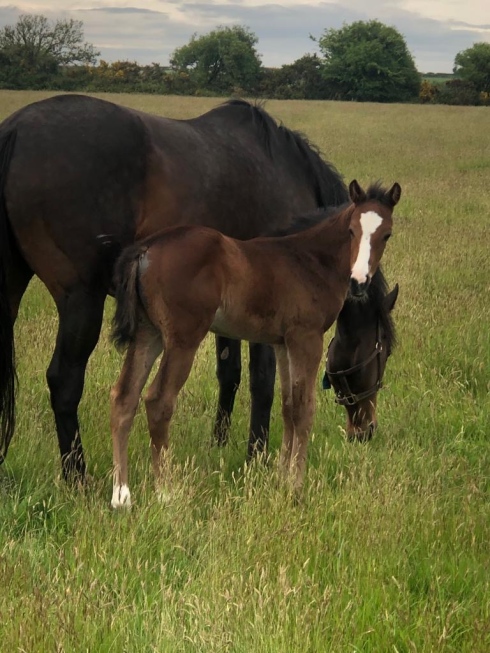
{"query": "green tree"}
(473, 65)
(458, 92)
(33, 50)
(370, 62)
(300, 80)
(223, 61)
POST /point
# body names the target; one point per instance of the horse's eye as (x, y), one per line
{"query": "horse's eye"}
(387, 237)
(351, 231)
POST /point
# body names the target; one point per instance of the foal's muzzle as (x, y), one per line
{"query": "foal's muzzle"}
(357, 289)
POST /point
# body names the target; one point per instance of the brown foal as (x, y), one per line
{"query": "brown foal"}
(173, 288)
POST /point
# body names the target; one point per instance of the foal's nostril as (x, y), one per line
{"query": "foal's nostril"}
(357, 289)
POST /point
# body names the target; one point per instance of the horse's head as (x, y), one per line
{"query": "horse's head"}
(370, 227)
(357, 355)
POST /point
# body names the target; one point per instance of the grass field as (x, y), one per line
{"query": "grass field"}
(439, 79)
(388, 549)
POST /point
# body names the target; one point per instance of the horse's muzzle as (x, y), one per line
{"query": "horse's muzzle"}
(357, 289)
(359, 435)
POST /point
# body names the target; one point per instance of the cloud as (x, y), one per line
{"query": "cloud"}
(125, 10)
(152, 30)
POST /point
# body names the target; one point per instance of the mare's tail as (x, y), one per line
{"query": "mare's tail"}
(125, 320)
(8, 377)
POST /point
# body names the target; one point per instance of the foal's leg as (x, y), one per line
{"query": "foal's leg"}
(228, 371)
(124, 401)
(305, 354)
(287, 407)
(160, 402)
(80, 319)
(262, 377)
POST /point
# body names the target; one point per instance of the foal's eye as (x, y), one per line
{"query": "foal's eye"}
(351, 231)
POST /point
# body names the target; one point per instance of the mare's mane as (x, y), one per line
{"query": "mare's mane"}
(377, 291)
(329, 186)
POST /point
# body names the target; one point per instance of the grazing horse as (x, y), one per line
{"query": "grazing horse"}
(82, 178)
(174, 287)
(357, 354)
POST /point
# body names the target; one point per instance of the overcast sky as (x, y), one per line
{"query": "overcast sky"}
(148, 31)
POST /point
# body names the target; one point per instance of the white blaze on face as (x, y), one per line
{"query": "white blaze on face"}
(370, 221)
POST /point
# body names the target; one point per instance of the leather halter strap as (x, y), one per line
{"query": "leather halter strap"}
(344, 395)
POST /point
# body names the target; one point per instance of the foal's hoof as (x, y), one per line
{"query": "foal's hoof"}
(121, 497)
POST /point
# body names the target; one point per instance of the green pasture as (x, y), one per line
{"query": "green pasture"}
(388, 548)
(439, 79)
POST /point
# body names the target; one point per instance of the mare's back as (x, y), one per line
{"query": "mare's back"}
(269, 164)
(235, 170)
(77, 160)
(91, 175)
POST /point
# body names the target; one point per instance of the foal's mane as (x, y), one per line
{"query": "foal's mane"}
(306, 220)
(378, 193)
(375, 192)
(329, 186)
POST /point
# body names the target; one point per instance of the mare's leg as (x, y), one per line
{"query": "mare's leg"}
(287, 407)
(228, 370)
(304, 354)
(160, 402)
(18, 276)
(125, 396)
(80, 318)
(12, 287)
(262, 377)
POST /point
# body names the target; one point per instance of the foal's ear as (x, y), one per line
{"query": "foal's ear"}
(395, 193)
(356, 193)
(390, 299)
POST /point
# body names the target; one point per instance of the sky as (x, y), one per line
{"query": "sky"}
(149, 31)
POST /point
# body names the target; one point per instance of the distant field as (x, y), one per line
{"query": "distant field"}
(388, 549)
(438, 79)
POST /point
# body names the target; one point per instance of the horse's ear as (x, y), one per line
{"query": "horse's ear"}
(395, 193)
(390, 299)
(356, 193)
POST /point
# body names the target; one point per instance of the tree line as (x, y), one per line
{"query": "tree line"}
(362, 61)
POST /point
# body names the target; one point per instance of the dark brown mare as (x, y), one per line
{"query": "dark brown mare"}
(81, 178)
(174, 287)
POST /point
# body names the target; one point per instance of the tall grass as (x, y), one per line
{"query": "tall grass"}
(388, 548)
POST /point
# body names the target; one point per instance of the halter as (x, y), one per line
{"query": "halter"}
(345, 396)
